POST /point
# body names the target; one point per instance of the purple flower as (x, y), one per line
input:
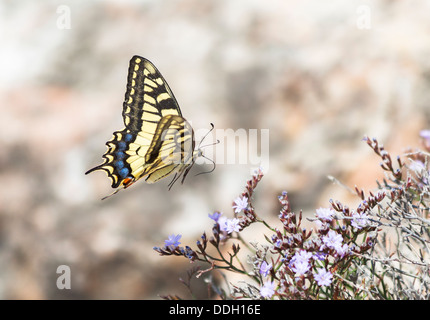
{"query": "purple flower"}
(240, 204)
(278, 243)
(215, 216)
(325, 214)
(222, 221)
(232, 225)
(229, 225)
(425, 134)
(323, 277)
(342, 250)
(332, 240)
(268, 289)
(299, 263)
(265, 268)
(301, 256)
(300, 267)
(359, 220)
(173, 241)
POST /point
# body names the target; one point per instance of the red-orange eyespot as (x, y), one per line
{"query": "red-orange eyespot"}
(127, 182)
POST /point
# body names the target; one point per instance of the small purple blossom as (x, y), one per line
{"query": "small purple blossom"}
(215, 216)
(232, 225)
(278, 243)
(325, 214)
(222, 221)
(299, 263)
(173, 241)
(300, 267)
(323, 277)
(301, 256)
(359, 220)
(425, 134)
(332, 240)
(240, 204)
(268, 289)
(342, 250)
(265, 268)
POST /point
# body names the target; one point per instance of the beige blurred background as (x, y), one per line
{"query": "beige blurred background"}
(318, 74)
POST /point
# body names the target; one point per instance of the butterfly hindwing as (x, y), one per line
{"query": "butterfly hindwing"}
(171, 149)
(174, 136)
(115, 159)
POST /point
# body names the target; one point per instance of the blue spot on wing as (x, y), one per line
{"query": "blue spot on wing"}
(128, 137)
(123, 172)
(120, 155)
(122, 146)
(119, 164)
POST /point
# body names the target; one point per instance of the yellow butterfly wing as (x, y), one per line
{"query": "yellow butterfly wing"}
(172, 149)
(156, 137)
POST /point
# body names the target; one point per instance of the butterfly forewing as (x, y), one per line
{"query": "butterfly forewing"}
(148, 97)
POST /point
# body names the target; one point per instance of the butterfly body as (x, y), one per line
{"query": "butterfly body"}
(156, 141)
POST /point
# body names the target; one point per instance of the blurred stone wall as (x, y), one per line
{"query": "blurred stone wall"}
(318, 74)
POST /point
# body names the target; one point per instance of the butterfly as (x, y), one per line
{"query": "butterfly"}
(156, 141)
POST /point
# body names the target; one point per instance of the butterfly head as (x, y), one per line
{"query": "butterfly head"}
(197, 154)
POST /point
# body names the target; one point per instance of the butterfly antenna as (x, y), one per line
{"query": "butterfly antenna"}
(210, 144)
(204, 137)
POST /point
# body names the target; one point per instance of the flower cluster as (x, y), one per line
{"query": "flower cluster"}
(318, 258)
(331, 259)
(299, 259)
